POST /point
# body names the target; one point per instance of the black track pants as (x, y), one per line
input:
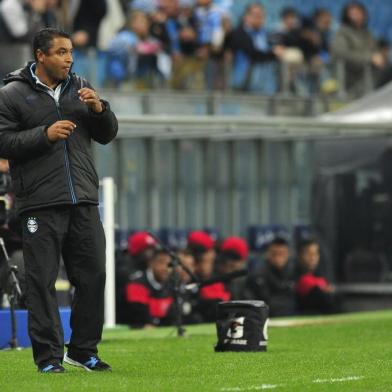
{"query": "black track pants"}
(75, 232)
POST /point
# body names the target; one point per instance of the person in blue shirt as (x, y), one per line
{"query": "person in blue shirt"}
(254, 58)
(210, 22)
(133, 54)
(182, 28)
(214, 25)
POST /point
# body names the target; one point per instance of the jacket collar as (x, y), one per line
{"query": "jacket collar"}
(25, 75)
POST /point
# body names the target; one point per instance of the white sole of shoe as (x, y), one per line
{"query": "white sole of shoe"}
(71, 362)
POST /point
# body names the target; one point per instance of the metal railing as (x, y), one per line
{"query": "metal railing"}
(91, 64)
(218, 128)
(216, 103)
(304, 82)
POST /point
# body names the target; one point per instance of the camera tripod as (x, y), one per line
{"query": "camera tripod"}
(176, 263)
(13, 293)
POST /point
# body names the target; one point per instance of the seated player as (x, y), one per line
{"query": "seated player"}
(141, 248)
(233, 257)
(315, 294)
(148, 295)
(202, 246)
(274, 284)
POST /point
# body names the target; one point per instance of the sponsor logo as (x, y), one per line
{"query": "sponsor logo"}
(32, 225)
(236, 330)
(240, 342)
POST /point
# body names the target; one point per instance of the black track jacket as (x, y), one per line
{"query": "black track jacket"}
(44, 173)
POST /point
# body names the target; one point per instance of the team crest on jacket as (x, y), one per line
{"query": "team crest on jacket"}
(32, 225)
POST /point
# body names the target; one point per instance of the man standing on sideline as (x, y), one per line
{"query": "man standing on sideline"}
(48, 119)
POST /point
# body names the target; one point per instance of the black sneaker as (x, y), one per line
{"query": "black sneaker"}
(51, 368)
(88, 363)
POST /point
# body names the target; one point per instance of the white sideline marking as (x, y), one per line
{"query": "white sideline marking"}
(299, 322)
(251, 388)
(274, 386)
(342, 379)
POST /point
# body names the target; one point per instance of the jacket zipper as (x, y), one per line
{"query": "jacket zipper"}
(66, 154)
(67, 166)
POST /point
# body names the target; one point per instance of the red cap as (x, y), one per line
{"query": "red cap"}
(236, 245)
(139, 242)
(202, 239)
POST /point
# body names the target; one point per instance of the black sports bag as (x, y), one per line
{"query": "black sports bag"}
(242, 326)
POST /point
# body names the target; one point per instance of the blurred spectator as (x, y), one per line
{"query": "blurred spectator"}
(254, 59)
(85, 17)
(290, 36)
(323, 35)
(322, 29)
(355, 45)
(293, 58)
(134, 53)
(148, 296)
(20, 19)
(233, 257)
(86, 23)
(188, 68)
(158, 18)
(212, 28)
(315, 293)
(315, 45)
(275, 284)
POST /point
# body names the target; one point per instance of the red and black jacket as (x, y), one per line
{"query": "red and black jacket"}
(148, 302)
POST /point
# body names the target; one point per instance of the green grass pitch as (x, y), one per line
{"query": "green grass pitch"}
(340, 353)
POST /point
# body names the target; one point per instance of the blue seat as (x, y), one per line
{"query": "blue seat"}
(121, 238)
(213, 232)
(259, 236)
(174, 239)
(302, 233)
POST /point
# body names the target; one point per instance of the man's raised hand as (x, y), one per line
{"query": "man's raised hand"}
(91, 99)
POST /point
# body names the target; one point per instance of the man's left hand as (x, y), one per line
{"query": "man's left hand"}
(91, 99)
